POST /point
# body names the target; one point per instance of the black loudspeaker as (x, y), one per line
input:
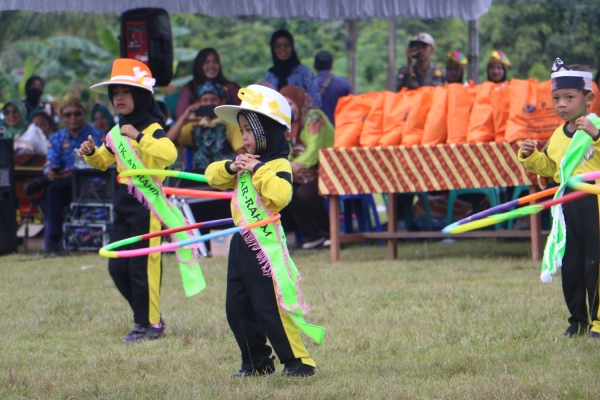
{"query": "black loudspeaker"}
(146, 37)
(94, 186)
(8, 212)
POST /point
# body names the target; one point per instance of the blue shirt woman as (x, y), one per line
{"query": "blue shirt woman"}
(287, 69)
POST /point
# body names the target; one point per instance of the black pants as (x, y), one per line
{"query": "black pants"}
(253, 312)
(57, 198)
(581, 260)
(307, 209)
(137, 278)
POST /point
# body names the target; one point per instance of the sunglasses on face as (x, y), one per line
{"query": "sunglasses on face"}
(9, 111)
(75, 114)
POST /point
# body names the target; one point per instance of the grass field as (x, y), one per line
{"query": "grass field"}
(467, 320)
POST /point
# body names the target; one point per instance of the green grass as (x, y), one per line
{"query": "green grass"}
(464, 320)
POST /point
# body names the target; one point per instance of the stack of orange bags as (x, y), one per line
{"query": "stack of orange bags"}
(453, 114)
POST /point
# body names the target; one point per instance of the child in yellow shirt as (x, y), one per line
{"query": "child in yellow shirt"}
(263, 297)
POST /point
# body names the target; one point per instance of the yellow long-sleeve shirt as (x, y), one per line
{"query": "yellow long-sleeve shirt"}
(273, 182)
(152, 145)
(546, 163)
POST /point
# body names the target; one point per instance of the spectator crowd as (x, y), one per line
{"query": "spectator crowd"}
(202, 137)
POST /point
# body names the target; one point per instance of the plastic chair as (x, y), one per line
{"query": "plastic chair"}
(408, 209)
(189, 159)
(359, 206)
(491, 193)
(518, 191)
(171, 102)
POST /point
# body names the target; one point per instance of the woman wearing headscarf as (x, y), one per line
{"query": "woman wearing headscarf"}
(15, 119)
(455, 67)
(311, 131)
(497, 67)
(207, 66)
(287, 69)
(34, 89)
(102, 118)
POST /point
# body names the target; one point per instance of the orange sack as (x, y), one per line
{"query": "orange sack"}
(420, 103)
(372, 129)
(350, 114)
(500, 98)
(531, 114)
(460, 102)
(436, 126)
(481, 120)
(395, 112)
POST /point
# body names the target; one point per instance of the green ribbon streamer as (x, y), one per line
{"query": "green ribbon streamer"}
(273, 253)
(150, 188)
(557, 239)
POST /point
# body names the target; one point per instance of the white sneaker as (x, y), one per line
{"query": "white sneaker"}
(313, 244)
(327, 243)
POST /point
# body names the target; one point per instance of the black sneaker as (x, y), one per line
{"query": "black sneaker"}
(576, 330)
(144, 332)
(594, 335)
(264, 368)
(31, 188)
(296, 369)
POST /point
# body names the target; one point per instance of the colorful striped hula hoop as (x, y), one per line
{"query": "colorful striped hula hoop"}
(505, 207)
(500, 213)
(578, 182)
(164, 172)
(518, 213)
(202, 194)
(108, 251)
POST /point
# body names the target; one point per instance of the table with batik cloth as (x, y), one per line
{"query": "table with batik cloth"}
(407, 169)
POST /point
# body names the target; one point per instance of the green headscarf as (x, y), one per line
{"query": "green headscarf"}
(16, 131)
(102, 108)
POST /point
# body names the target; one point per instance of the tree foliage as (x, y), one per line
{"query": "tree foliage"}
(541, 31)
(73, 50)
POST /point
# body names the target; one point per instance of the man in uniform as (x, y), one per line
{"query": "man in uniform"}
(420, 71)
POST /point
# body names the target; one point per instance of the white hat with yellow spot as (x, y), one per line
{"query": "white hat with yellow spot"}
(261, 100)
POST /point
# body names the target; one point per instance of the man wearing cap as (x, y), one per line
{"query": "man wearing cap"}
(420, 71)
(331, 87)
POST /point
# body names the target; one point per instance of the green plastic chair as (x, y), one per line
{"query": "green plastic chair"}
(491, 193)
(171, 101)
(408, 212)
(516, 194)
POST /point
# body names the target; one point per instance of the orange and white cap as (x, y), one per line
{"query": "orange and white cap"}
(128, 72)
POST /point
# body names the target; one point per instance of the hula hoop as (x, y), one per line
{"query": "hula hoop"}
(108, 252)
(578, 182)
(164, 172)
(202, 194)
(506, 206)
(529, 210)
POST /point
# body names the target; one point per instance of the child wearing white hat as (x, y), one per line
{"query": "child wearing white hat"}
(263, 297)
